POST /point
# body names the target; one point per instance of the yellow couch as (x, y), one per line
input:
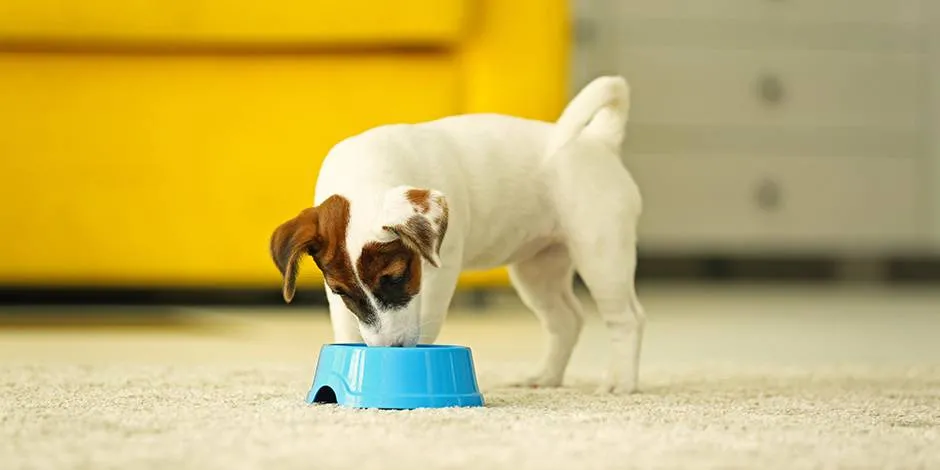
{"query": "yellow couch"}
(158, 143)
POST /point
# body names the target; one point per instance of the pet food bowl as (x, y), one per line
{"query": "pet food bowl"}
(424, 376)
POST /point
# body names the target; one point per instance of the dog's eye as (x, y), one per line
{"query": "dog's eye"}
(389, 280)
(339, 292)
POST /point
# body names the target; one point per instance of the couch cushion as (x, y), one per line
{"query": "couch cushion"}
(194, 23)
(175, 170)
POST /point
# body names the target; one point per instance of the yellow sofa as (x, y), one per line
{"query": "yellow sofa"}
(158, 143)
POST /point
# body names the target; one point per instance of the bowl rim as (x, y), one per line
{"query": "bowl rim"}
(418, 347)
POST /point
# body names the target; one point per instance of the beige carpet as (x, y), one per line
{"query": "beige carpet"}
(732, 380)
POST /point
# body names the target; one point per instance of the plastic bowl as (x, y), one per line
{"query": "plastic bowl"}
(424, 376)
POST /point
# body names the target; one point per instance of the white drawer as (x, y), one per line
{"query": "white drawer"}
(803, 89)
(837, 11)
(744, 204)
(769, 140)
(759, 35)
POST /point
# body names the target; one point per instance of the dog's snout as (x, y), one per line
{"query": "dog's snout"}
(390, 342)
(391, 336)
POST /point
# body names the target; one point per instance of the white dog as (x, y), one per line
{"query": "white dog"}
(400, 210)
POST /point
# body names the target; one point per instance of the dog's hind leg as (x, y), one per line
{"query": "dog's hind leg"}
(545, 283)
(608, 270)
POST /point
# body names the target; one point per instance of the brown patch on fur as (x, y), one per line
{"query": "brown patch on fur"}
(321, 233)
(414, 281)
(419, 232)
(442, 225)
(289, 242)
(420, 198)
(391, 271)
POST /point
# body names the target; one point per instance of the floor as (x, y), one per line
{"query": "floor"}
(737, 376)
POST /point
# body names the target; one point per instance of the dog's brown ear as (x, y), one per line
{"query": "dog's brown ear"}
(419, 218)
(290, 242)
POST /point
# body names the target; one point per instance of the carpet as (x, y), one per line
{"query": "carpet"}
(226, 417)
(736, 379)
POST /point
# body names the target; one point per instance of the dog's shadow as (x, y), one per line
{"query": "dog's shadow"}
(697, 389)
(509, 394)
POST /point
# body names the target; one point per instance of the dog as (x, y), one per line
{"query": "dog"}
(400, 210)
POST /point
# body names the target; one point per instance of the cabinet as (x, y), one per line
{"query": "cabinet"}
(773, 125)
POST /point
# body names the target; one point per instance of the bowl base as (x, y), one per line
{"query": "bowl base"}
(326, 395)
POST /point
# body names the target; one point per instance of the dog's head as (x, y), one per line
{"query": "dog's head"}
(373, 262)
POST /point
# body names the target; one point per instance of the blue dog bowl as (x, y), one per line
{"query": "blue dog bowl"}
(424, 376)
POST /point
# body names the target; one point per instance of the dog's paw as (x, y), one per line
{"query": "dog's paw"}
(537, 381)
(611, 388)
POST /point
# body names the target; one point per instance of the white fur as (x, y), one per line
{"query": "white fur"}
(546, 199)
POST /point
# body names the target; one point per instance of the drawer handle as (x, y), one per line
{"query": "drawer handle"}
(770, 89)
(768, 195)
(585, 30)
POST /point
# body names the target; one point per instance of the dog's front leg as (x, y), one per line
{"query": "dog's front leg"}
(344, 323)
(437, 291)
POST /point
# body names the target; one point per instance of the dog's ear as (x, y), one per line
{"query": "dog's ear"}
(419, 218)
(290, 242)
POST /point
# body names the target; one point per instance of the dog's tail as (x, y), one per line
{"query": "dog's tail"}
(601, 110)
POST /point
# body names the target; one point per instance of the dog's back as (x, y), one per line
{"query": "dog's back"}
(497, 171)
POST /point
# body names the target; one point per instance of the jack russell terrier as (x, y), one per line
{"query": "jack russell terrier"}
(400, 210)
